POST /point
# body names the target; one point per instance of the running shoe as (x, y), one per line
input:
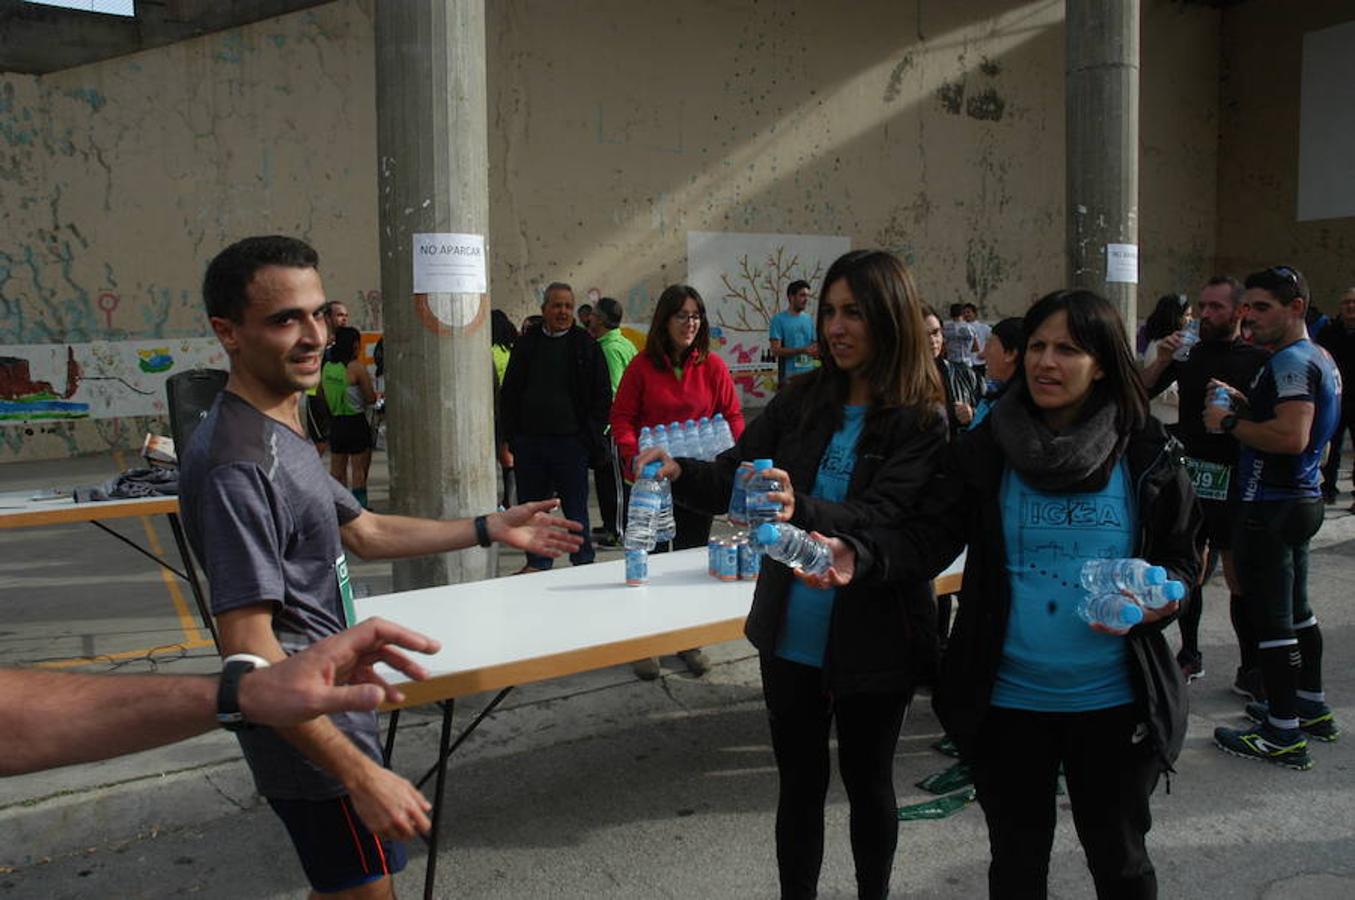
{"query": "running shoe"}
(1283, 748)
(1249, 684)
(1315, 719)
(1192, 665)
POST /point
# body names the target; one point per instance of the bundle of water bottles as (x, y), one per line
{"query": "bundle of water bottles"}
(1106, 580)
(754, 512)
(650, 521)
(705, 439)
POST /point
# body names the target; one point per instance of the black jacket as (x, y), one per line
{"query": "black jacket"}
(881, 638)
(590, 388)
(1339, 341)
(963, 507)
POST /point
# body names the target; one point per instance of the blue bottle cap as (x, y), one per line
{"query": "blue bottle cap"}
(645, 430)
(1155, 575)
(760, 464)
(719, 416)
(767, 533)
(1173, 590)
(651, 470)
(705, 420)
(1131, 614)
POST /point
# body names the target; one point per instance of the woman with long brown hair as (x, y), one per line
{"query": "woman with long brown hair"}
(860, 436)
(674, 379)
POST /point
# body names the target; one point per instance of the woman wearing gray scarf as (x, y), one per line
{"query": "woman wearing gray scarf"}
(1067, 467)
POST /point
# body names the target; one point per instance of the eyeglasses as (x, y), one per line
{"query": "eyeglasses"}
(686, 318)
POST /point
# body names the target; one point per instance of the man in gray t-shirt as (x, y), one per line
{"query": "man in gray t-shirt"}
(271, 527)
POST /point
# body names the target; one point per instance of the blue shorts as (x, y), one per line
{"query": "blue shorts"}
(336, 849)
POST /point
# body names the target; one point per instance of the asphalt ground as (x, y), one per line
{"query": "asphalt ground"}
(599, 785)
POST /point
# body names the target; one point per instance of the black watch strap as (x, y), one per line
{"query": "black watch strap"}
(482, 531)
(228, 713)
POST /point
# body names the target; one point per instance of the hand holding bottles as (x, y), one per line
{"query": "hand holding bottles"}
(1120, 593)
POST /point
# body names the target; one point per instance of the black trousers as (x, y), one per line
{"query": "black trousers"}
(800, 713)
(1331, 470)
(1110, 776)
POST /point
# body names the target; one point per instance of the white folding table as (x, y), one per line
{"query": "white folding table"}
(505, 632)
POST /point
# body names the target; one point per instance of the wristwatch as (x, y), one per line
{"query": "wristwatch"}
(482, 531)
(1228, 423)
(234, 667)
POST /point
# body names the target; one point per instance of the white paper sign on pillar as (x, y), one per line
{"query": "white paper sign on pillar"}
(1122, 263)
(450, 264)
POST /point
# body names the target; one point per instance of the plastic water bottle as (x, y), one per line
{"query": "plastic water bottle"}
(1102, 576)
(793, 546)
(661, 439)
(1190, 336)
(1219, 396)
(1111, 610)
(1159, 595)
(665, 528)
(642, 515)
(724, 437)
(646, 439)
(738, 494)
(760, 507)
(677, 441)
(693, 438)
(706, 434)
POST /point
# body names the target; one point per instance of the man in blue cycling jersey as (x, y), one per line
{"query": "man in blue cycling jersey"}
(1283, 422)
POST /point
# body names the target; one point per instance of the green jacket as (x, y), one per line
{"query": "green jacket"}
(618, 350)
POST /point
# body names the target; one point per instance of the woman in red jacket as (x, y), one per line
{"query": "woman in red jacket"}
(676, 378)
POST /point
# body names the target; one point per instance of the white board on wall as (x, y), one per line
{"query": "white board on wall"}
(743, 278)
(1327, 125)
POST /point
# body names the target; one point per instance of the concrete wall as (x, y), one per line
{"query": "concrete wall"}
(932, 128)
(1259, 148)
(119, 180)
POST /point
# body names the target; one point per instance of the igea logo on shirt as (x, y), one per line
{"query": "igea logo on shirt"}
(1081, 513)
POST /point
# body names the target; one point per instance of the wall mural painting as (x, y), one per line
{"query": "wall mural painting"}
(101, 380)
(743, 278)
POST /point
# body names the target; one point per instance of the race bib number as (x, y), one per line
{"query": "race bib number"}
(1210, 479)
(345, 591)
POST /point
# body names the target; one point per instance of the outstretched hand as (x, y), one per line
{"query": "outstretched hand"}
(840, 573)
(531, 527)
(336, 674)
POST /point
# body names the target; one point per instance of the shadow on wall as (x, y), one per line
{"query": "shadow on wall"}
(932, 149)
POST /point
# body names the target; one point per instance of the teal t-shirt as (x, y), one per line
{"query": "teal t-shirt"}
(804, 633)
(1052, 661)
(793, 331)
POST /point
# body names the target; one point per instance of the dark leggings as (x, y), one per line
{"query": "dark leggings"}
(801, 713)
(1271, 558)
(1110, 770)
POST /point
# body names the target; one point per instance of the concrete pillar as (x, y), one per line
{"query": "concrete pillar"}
(433, 160)
(1103, 142)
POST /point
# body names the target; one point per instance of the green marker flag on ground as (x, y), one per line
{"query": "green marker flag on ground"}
(952, 779)
(939, 808)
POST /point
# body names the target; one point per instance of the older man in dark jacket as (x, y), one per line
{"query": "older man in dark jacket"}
(553, 404)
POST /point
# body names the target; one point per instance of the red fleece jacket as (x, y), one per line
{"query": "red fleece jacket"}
(648, 396)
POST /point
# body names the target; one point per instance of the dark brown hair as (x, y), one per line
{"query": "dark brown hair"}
(659, 344)
(1095, 325)
(901, 373)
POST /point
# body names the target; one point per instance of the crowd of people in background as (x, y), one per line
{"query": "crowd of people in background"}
(899, 440)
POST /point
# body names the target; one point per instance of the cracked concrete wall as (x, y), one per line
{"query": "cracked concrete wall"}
(119, 181)
(931, 128)
(1259, 157)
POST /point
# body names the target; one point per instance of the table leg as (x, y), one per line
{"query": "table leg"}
(192, 578)
(430, 873)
